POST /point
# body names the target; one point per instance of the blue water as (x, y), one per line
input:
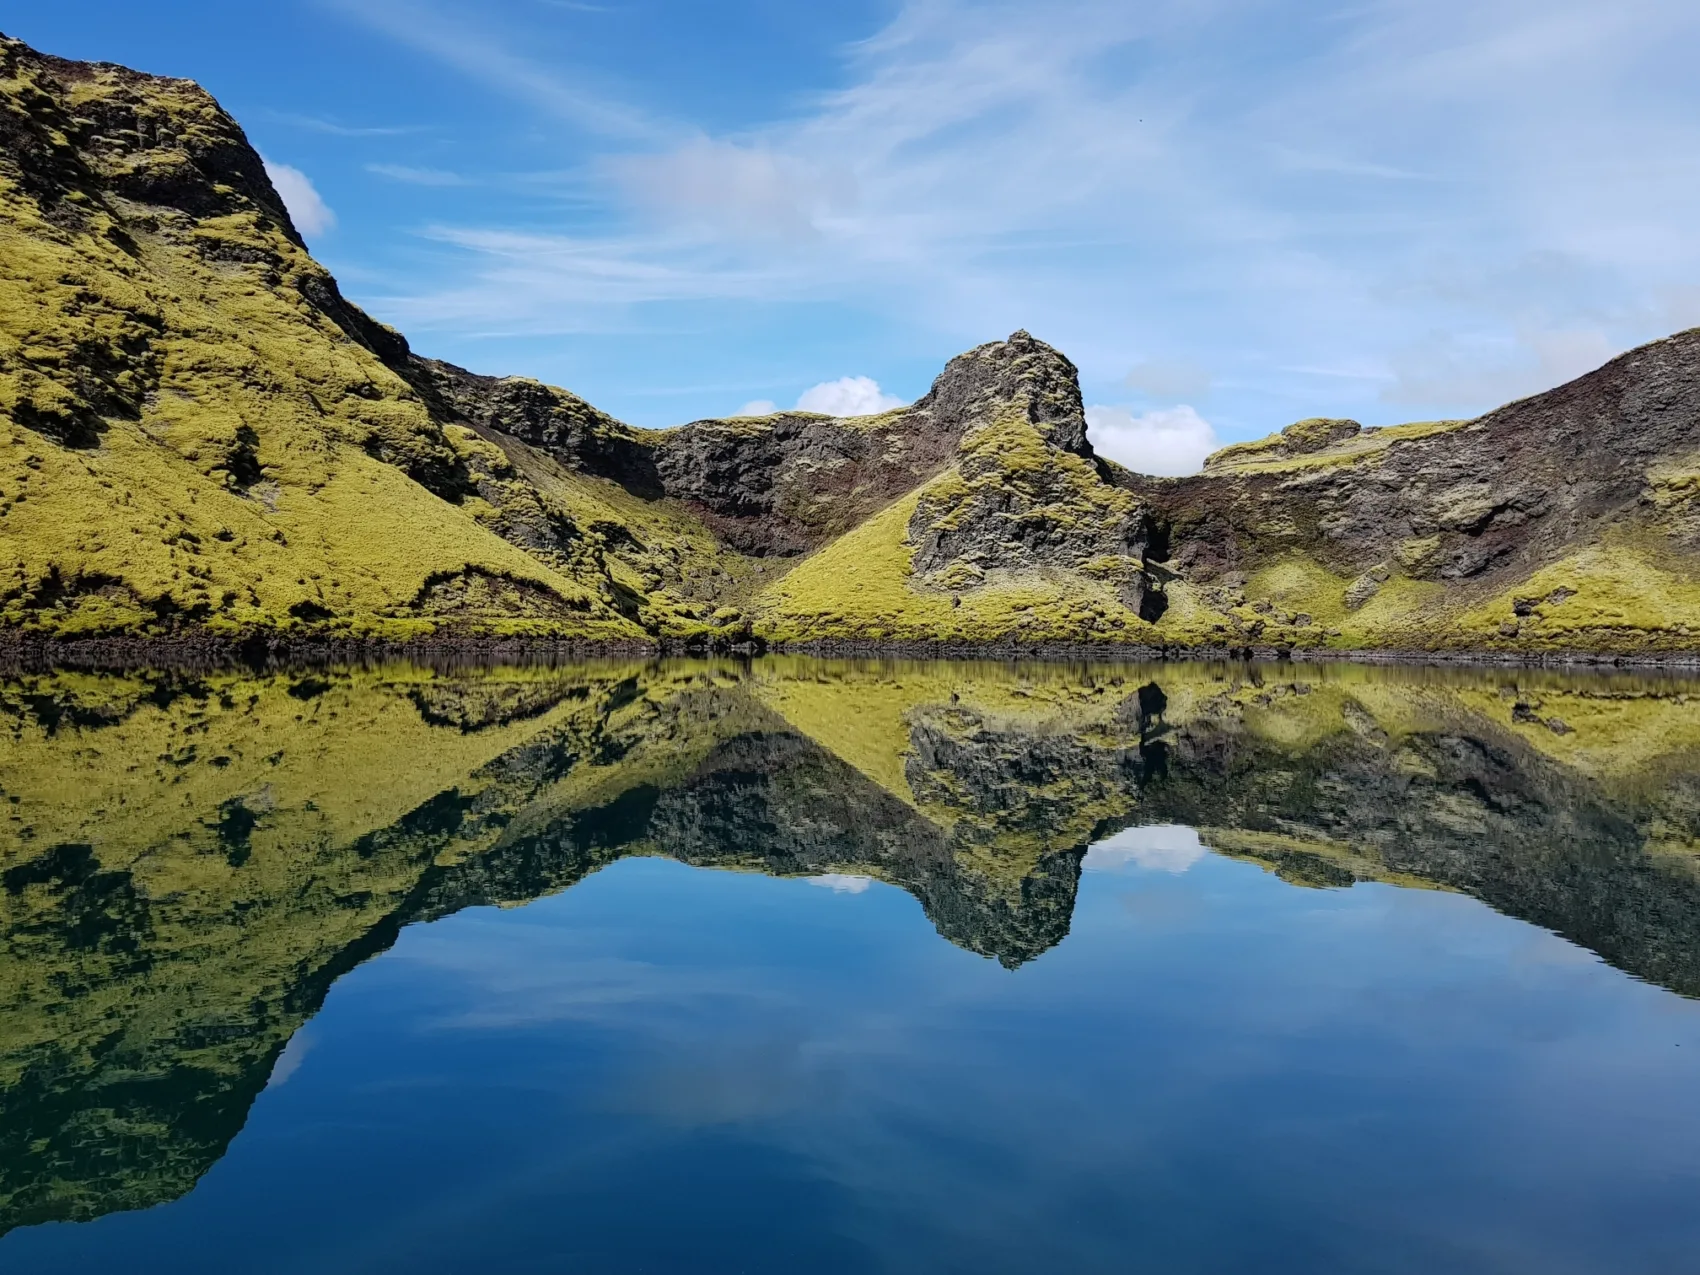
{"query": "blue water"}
(671, 1069)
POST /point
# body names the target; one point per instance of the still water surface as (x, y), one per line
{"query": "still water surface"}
(850, 967)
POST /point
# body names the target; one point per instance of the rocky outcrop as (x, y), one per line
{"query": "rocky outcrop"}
(780, 486)
(1026, 491)
(1454, 501)
(785, 484)
(542, 416)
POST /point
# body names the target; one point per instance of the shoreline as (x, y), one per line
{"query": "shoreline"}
(30, 653)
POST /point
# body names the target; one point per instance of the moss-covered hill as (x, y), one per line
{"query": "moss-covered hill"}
(198, 434)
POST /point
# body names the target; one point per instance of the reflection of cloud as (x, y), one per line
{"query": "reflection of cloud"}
(841, 883)
(730, 1081)
(1163, 847)
(290, 1060)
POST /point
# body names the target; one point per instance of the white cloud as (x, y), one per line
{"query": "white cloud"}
(471, 46)
(735, 191)
(1170, 441)
(758, 407)
(1168, 175)
(417, 176)
(841, 882)
(847, 396)
(334, 129)
(1155, 848)
(310, 213)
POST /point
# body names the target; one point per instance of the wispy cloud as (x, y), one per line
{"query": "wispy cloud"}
(418, 176)
(1237, 186)
(466, 42)
(563, 283)
(314, 124)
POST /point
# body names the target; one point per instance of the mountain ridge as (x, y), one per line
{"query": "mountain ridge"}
(201, 439)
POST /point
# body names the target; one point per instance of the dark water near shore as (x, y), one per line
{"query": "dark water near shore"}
(834, 966)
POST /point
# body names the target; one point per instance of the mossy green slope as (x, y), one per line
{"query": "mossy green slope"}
(194, 428)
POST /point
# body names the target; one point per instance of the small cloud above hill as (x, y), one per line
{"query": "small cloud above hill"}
(848, 396)
(1170, 441)
(310, 213)
(417, 176)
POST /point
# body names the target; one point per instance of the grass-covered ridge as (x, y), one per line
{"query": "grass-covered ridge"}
(200, 435)
(194, 428)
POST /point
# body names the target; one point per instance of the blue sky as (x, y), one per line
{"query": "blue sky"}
(1230, 213)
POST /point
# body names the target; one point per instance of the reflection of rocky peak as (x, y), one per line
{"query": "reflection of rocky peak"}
(1479, 813)
(779, 803)
(148, 996)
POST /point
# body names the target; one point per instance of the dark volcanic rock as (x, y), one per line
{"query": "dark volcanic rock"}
(1504, 492)
(788, 483)
(550, 419)
(1022, 372)
(785, 484)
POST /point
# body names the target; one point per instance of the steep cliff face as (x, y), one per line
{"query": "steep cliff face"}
(199, 433)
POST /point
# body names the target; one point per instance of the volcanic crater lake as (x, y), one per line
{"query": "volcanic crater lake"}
(823, 966)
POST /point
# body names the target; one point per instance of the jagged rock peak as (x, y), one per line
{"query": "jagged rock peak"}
(1022, 370)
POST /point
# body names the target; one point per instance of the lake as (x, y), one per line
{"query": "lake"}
(850, 966)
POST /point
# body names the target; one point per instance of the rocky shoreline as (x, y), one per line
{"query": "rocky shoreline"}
(19, 653)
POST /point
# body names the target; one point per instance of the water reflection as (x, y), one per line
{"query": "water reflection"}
(189, 863)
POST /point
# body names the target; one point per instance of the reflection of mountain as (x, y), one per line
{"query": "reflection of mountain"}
(191, 864)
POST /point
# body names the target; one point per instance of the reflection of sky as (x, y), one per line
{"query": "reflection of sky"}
(841, 882)
(1162, 847)
(673, 1069)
